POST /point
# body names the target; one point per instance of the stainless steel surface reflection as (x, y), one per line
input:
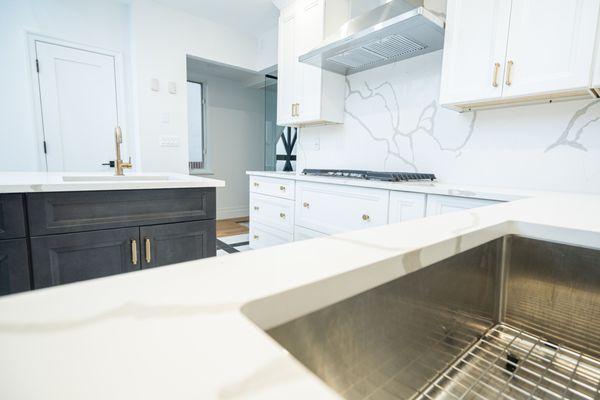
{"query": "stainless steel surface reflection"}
(514, 318)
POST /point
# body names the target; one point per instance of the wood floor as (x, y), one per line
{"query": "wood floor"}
(232, 226)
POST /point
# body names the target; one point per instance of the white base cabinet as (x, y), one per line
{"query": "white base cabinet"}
(284, 210)
(405, 206)
(437, 204)
(336, 208)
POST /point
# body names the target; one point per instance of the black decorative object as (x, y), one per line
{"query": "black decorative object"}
(288, 144)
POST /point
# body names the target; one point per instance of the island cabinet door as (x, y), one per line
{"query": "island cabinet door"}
(14, 266)
(73, 257)
(174, 243)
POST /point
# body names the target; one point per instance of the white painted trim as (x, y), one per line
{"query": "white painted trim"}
(32, 38)
(232, 212)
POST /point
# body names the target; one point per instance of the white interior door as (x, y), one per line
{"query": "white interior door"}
(551, 45)
(79, 107)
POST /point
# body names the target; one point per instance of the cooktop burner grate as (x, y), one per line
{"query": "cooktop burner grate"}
(371, 175)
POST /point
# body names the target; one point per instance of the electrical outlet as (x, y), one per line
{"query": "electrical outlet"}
(169, 141)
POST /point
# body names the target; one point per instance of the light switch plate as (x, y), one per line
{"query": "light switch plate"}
(169, 141)
(172, 88)
(154, 85)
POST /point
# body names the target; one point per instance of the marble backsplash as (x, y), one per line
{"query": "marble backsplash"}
(395, 123)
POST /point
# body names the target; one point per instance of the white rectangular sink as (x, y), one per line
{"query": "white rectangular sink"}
(112, 178)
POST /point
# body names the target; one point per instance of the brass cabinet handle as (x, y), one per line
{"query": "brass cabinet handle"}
(148, 251)
(306, 205)
(256, 184)
(509, 67)
(496, 70)
(293, 110)
(282, 188)
(365, 217)
(255, 237)
(256, 208)
(297, 109)
(134, 256)
(282, 215)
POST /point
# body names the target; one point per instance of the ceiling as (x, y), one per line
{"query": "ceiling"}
(253, 17)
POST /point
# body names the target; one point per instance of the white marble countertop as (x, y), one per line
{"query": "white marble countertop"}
(435, 187)
(195, 330)
(26, 182)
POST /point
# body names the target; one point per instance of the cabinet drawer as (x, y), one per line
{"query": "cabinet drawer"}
(301, 233)
(334, 208)
(14, 266)
(272, 211)
(263, 236)
(73, 257)
(175, 243)
(51, 213)
(12, 217)
(283, 188)
(437, 204)
(405, 206)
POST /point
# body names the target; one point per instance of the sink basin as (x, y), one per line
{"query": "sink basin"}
(112, 178)
(511, 319)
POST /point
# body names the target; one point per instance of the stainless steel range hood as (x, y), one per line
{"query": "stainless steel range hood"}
(395, 31)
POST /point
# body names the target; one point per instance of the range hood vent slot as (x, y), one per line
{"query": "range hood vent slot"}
(392, 32)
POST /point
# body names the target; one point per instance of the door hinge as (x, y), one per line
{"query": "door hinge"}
(37, 65)
(45, 148)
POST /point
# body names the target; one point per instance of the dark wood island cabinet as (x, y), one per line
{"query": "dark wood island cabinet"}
(53, 238)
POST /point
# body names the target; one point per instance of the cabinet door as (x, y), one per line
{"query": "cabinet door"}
(551, 46)
(12, 217)
(14, 266)
(301, 233)
(406, 206)
(437, 205)
(262, 236)
(272, 211)
(73, 257)
(287, 67)
(474, 50)
(335, 208)
(596, 77)
(311, 17)
(175, 243)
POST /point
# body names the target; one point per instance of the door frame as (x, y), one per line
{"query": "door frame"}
(32, 39)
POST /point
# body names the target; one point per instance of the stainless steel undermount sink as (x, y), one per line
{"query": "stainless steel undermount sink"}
(113, 178)
(515, 318)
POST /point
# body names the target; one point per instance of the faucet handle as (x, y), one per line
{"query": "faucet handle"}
(128, 164)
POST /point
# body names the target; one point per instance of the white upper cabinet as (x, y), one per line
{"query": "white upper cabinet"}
(500, 52)
(475, 48)
(551, 46)
(306, 94)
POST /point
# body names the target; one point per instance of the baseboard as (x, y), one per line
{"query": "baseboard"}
(232, 212)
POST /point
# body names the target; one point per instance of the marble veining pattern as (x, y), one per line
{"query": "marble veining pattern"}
(395, 122)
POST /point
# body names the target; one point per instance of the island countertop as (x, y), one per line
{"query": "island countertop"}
(27, 182)
(196, 330)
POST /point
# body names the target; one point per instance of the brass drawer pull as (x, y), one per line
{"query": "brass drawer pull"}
(365, 217)
(256, 184)
(496, 70)
(255, 237)
(509, 67)
(306, 205)
(282, 188)
(256, 208)
(148, 251)
(282, 215)
(297, 109)
(134, 255)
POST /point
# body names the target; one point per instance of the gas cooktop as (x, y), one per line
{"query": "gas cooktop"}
(371, 175)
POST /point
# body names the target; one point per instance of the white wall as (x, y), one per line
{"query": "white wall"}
(161, 39)
(394, 122)
(235, 136)
(102, 24)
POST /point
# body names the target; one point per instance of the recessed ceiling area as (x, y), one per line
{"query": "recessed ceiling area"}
(253, 17)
